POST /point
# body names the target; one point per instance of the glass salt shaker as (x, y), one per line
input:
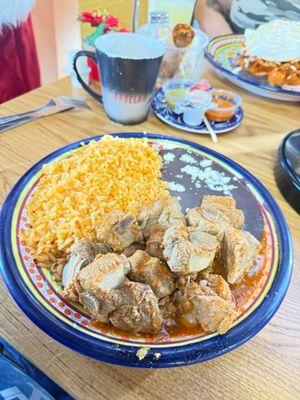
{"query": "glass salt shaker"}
(158, 27)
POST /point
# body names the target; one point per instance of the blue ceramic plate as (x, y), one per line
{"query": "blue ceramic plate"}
(192, 171)
(163, 112)
(223, 53)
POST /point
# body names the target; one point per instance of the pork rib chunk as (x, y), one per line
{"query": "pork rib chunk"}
(119, 231)
(208, 303)
(131, 307)
(238, 251)
(160, 215)
(216, 215)
(101, 306)
(82, 253)
(188, 250)
(153, 272)
(168, 310)
(137, 309)
(105, 272)
(130, 250)
(154, 245)
(218, 201)
(214, 220)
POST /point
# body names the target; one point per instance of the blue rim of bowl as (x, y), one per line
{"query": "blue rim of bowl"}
(225, 71)
(284, 163)
(127, 355)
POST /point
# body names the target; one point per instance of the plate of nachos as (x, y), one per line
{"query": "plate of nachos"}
(264, 61)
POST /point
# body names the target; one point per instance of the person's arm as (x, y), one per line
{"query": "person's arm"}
(210, 21)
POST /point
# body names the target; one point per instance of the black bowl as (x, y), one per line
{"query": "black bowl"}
(287, 169)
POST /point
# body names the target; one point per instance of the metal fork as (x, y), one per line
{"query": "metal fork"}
(53, 106)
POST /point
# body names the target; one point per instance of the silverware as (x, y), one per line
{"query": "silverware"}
(212, 133)
(53, 106)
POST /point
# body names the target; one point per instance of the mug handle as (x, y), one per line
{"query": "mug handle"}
(91, 55)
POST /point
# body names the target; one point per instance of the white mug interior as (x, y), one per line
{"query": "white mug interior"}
(131, 46)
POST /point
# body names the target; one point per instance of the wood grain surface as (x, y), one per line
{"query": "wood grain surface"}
(267, 367)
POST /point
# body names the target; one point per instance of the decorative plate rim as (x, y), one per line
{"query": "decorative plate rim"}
(123, 354)
(191, 129)
(210, 57)
(45, 289)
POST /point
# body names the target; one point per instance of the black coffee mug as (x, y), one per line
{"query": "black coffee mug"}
(128, 64)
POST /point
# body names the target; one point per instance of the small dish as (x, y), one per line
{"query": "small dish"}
(226, 105)
(193, 116)
(186, 98)
(175, 90)
(167, 114)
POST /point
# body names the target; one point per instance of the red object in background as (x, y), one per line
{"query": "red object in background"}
(92, 17)
(110, 23)
(94, 73)
(95, 18)
(20, 71)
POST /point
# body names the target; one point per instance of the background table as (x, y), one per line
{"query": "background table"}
(267, 367)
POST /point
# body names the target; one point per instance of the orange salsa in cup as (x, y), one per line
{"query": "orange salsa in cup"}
(226, 105)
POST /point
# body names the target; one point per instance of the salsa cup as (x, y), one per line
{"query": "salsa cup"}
(226, 104)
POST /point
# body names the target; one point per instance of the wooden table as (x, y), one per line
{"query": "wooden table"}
(267, 367)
